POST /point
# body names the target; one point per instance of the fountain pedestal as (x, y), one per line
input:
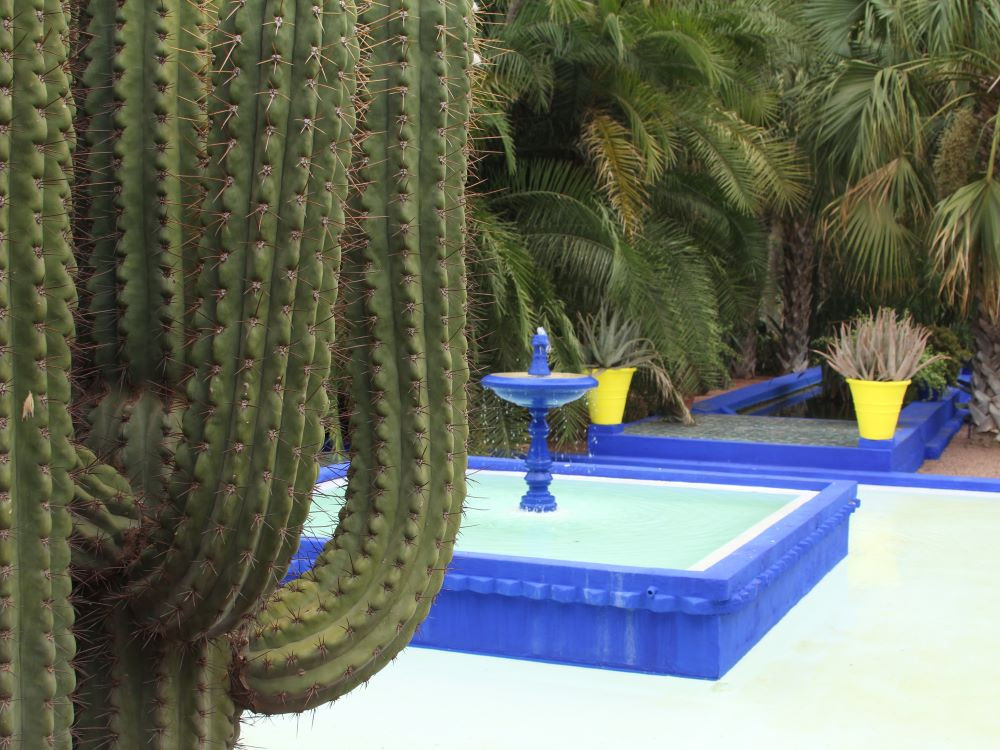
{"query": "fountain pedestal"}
(539, 390)
(539, 461)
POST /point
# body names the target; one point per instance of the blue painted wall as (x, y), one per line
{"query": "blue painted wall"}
(794, 387)
(924, 431)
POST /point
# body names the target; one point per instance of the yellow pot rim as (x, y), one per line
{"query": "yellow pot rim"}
(592, 370)
(880, 383)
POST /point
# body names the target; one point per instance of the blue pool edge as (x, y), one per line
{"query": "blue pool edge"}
(662, 621)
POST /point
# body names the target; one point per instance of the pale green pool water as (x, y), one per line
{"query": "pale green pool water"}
(609, 522)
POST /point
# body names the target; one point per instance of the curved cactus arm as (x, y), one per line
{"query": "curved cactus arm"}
(372, 585)
(233, 494)
(105, 517)
(325, 216)
(36, 642)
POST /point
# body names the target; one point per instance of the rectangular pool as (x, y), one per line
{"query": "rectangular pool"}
(628, 522)
(637, 569)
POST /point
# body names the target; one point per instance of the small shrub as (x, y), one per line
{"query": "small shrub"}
(945, 341)
(935, 377)
(610, 340)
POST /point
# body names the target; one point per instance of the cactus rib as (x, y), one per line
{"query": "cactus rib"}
(155, 82)
(97, 221)
(60, 299)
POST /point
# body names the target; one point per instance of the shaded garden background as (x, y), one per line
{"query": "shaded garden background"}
(738, 176)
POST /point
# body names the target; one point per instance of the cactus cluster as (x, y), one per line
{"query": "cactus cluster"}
(211, 175)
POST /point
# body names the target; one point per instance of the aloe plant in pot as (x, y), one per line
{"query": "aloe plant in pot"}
(879, 354)
(613, 350)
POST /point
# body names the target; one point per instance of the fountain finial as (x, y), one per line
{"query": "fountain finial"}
(539, 354)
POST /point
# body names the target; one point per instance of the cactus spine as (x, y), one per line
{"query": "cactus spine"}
(215, 147)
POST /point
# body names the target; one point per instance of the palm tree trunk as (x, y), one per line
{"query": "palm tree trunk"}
(515, 5)
(799, 252)
(985, 404)
(745, 364)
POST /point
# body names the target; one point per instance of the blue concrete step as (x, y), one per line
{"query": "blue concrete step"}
(937, 444)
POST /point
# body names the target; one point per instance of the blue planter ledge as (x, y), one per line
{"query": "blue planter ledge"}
(924, 431)
(766, 397)
(655, 620)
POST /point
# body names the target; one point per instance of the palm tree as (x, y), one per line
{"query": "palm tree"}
(908, 117)
(634, 158)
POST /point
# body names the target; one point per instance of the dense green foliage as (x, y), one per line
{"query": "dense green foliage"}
(905, 109)
(736, 177)
(631, 160)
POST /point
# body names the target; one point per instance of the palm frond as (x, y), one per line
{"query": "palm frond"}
(870, 114)
(871, 224)
(619, 166)
(833, 22)
(965, 244)
(648, 112)
(673, 43)
(751, 167)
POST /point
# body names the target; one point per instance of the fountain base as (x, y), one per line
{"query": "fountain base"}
(677, 596)
(540, 503)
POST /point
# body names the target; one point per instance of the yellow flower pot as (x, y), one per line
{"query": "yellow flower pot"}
(606, 402)
(877, 404)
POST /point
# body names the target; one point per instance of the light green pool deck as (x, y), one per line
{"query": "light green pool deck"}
(642, 524)
(898, 648)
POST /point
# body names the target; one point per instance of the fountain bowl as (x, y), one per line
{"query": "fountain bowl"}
(539, 391)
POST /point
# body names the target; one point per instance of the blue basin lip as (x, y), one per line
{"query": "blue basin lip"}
(539, 382)
(539, 391)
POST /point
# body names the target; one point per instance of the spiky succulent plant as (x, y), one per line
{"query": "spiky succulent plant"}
(882, 346)
(609, 339)
(154, 479)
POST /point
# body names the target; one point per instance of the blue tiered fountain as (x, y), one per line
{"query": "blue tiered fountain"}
(539, 389)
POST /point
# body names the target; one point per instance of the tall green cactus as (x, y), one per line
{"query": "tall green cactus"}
(145, 528)
(36, 644)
